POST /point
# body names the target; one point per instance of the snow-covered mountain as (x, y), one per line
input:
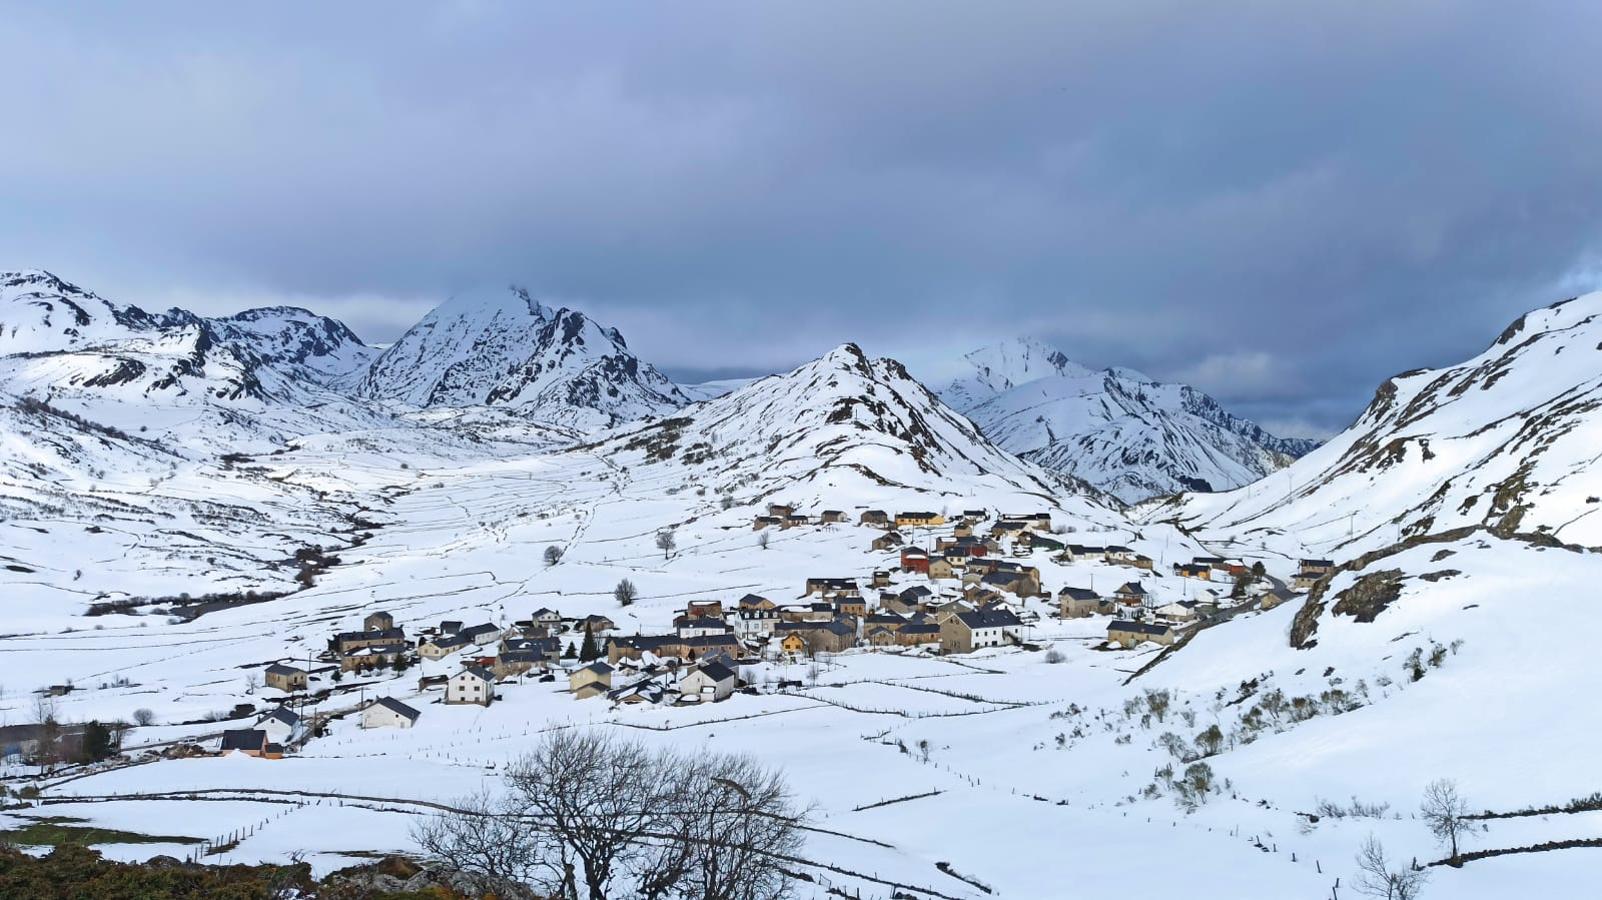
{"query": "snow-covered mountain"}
(1116, 429)
(1505, 441)
(62, 337)
(504, 348)
(843, 426)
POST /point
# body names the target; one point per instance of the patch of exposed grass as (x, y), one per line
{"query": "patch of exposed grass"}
(54, 831)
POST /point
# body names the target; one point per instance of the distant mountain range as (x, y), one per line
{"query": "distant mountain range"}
(1116, 429)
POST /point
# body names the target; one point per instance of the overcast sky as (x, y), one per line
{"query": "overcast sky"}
(1280, 204)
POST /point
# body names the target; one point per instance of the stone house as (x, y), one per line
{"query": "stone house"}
(832, 587)
(761, 522)
(780, 510)
(752, 601)
(711, 609)
(852, 606)
(875, 517)
(372, 657)
(940, 567)
(378, 621)
(831, 516)
(1077, 603)
(887, 541)
(285, 678)
(1306, 581)
(1127, 634)
(441, 646)
(349, 641)
(1316, 567)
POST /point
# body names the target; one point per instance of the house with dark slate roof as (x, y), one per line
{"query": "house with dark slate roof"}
(1128, 633)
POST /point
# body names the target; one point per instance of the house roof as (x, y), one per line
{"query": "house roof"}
(989, 618)
(376, 634)
(450, 625)
(282, 714)
(281, 669)
(243, 739)
(1307, 563)
(478, 672)
(915, 592)
(397, 707)
(1074, 593)
(447, 641)
(1137, 627)
(598, 667)
(1133, 588)
(717, 671)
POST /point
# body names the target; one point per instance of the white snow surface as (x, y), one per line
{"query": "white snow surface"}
(1032, 777)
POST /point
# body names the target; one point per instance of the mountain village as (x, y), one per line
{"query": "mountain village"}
(295, 593)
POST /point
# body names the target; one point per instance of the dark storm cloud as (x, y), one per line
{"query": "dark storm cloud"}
(1283, 204)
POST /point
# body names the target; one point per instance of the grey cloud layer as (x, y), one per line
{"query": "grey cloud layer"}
(1282, 203)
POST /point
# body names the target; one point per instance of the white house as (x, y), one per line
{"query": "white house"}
(281, 725)
(754, 624)
(699, 626)
(387, 712)
(707, 684)
(473, 684)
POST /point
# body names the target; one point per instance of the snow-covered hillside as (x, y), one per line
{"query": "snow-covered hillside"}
(1507, 441)
(1231, 766)
(505, 348)
(1116, 429)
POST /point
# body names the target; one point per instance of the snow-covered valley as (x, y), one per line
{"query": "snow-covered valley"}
(1249, 759)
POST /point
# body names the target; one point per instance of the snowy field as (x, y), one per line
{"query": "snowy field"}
(1031, 778)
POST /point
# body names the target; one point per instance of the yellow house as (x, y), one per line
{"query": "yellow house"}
(592, 680)
(919, 519)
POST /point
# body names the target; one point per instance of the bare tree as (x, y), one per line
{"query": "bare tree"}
(584, 809)
(593, 794)
(1445, 813)
(144, 716)
(731, 820)
(762, 540)
(625, 593)
(485, 839)
(666, 541)
(252, 681)
(1376, 878)
(553, 555)
(44, 713)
